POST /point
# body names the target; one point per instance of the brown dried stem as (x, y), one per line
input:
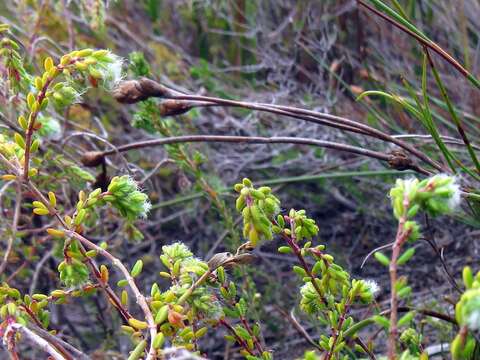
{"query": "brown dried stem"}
(136, 90)
(34, 338)
(390, 158)
(140, 299)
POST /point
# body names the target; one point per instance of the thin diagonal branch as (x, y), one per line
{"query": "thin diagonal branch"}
(93, 158)
(250, 140)
(34, 338)
(425, 42)
(133, 91)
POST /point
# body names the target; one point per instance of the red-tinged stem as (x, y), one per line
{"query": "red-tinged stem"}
(239, 340)
(401, 237)
(255, 340)
(303, 263)
(83, 241)
(13, 236)
(39, 324)
(94, 268)
(337, 330)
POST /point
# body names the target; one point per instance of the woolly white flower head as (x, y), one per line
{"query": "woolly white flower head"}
(437, 195)
(467, 310)
(450, 184)
(108, 69)
(455, 199)
(473, 320)
(126, 197)
(147, 205)
(132, 183)
(410, 184)
(372, 286)
(113, 71)
(176, 251)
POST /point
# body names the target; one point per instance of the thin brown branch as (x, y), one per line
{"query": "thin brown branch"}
(130, 92)
(250, 140)
(34, 338)
(426, 312)
(140, 299)
(318, 118)
(238, 339)
(303, 333)
(430, 239)
(365, 348)
(424, 41)
(58, 343)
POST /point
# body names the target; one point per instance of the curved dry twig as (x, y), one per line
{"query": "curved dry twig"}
(250, 140)
(95, 158)
(129, 92)
(34, 338)
(378, 248)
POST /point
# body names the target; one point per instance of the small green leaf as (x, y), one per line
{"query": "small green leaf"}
(137, 268)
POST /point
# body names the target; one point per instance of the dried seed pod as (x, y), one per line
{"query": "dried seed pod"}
(92, 158)
(399, 160)
(133, 91)
(172, 107)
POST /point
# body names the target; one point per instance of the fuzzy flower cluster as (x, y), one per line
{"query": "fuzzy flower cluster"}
(124, 195)
(363, 291)
(174, 252)
(65, 94)
(100, 67)
(180, 260)
(412, 341)
(467, 314)
(467, 310)
(372, 287)
(437, 195)
(108, 69)
(310, 302)
(73, 273)
(181, 263)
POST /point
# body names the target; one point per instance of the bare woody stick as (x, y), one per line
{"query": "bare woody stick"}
(132, 91)
(397, 160)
